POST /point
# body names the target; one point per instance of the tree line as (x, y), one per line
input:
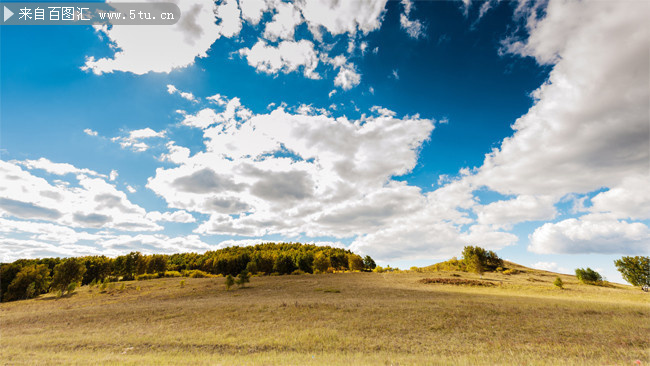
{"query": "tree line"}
(28, 278)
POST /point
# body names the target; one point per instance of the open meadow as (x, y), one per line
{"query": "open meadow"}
(340, 318)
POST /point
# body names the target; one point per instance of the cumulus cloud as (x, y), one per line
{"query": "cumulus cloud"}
(590, 119)
(287, 57)
(284, 22)
(176, 216)
(140, 49)
(90, 203)
(591, 234)
(339, 17)
(521, 208)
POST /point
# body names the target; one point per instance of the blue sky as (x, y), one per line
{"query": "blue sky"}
(403, 130)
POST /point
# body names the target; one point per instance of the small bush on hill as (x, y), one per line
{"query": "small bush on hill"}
(172, 274)
(146, 276)
(511, 271)
(558, 283)
(229, 282)
(588, 276)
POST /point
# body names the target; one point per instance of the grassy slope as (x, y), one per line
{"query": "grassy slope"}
(376, 318)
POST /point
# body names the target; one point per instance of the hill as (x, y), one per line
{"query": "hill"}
(339, 318)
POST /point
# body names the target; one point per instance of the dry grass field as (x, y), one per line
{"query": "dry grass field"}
(341, 318)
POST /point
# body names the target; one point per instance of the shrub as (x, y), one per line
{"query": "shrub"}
(243, 278)
(298, 272)
(172, 274)
(146, 276)
(588, 276)
(182, 283)
(195, 273)
(558, 283)
(229, 282)
(511, 271)
(635, 270)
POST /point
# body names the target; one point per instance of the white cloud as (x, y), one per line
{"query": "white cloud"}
(287, 57)
(161, 48)
(331, 93)
(134, 139)
(181, 216)
(252, 10)
(339, 17)
(347, 77)
(628, 200)
(284, 22)
(414, 28)
(55, 168)
(395, 75)
(90, 202)
(130, 189)
(90, 132)
(113, 175)
(590, 119)
(171, 89)
(522, 208)
(591, 234)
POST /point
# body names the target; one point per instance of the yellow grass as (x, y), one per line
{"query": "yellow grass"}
(342, 318)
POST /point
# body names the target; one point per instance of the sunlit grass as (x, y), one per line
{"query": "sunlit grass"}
(343, 318)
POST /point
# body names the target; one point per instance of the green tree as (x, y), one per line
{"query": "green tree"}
(355, 262)
(321, 262)
(284, 264)
(29, 282)
(368, 263)
(157, 264)
(588, 276)
(243, 278)
(97, 268)
(229, 282)
(475, 259)
(558, 282)
(69, 271)
(635, 270)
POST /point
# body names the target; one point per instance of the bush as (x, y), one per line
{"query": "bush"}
(588, 276)
(146, 276)
(321, 262)
(182, 283)
(195, 273)
(71, 287)
(229, 282)
(173, 274)
(298, 272)
(243, 278)
(558, 283)
(635, 270)
(511, 271)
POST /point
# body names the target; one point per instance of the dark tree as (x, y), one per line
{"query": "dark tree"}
(588, 275)
(369, 263)
(29, 282)
(69, 271)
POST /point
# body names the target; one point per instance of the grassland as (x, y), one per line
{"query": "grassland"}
(341, 318)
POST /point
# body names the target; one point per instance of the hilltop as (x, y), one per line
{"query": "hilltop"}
(335, 318)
